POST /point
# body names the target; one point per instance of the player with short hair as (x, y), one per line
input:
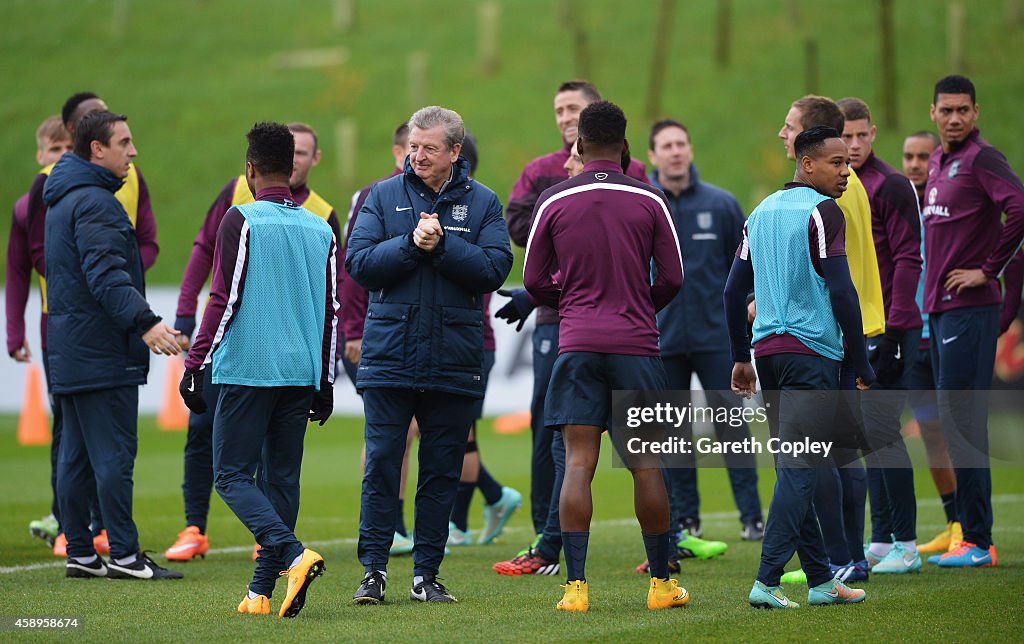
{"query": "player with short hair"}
(841, 491)
(917, 149)
(608, 338)
(793, 257)
(197, 482)
(543, 555)
(896, 228)
(970, 186)
(571, 98)
(694, 339)
(52, 141)
(269, 337)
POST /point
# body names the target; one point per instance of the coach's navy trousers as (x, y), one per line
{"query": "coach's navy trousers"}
(262, 428)
(96, 520)
(444, 421)
(800, 395)
(963, 348)
(714, 370)
(99, 440)
(890, 471)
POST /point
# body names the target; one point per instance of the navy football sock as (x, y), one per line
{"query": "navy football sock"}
(490, 488)
(575, 545)
(460, 511)
(657, 547)
(949, 505)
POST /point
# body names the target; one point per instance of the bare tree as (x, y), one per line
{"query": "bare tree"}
(890, 110)
(659, 56)
(723, 33)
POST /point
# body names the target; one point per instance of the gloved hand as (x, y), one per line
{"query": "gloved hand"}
(186, 324)
(887, 358)
(517, 309)
(323, 404)
(191, 390)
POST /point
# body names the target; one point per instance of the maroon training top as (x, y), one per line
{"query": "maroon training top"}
(18, 277)
(968, 191)
(602, 230)
(539, 175)
(896, 230)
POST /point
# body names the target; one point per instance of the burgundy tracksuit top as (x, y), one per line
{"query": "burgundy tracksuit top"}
(603, 230)
(968, 191)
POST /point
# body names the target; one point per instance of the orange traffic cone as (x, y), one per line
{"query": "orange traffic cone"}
(173, 414)
(512, 423)
(33, 425)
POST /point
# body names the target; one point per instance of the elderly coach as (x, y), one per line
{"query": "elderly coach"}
(427, 245)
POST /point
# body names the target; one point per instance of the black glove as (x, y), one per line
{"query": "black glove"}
(517, 309)
(323, 403)
(886, 358)
(185, 324)
(191, 390)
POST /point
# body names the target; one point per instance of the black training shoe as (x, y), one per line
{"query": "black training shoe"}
(431, 590)
(371, 589)
(753, 531)
(142, 568)
(76, 569)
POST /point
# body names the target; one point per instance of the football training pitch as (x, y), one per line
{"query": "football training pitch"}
(948, 605)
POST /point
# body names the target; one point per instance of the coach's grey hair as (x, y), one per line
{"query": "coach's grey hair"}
(432, 116)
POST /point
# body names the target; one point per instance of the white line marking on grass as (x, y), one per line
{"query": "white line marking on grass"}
(1001, 499)
(213, 551)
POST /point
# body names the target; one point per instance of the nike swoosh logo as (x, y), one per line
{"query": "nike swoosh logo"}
(184, 548)
(833, 594)
(397, 209)
(145, 573)
(948, 340)
(192, 386)
(897, 352)
(781, 602)
(975, 559)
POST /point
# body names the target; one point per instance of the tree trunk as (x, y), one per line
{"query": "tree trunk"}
(659, 58)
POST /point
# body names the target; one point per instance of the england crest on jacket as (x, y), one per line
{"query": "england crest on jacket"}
(460, 212)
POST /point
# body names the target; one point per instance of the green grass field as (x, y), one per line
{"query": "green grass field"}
(193, 75)
(969, 605)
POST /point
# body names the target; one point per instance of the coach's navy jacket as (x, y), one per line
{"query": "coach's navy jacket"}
(94, 279)
(424, 322)
(709, 222)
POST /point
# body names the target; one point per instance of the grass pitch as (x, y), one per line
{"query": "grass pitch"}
(936, 604)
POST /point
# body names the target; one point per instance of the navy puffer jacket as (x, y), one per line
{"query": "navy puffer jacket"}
(95, 285)
(425, 321)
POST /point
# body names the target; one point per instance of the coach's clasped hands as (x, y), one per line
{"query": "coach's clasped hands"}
(191, 390)
(428, 232)
(517, 309)
(322, 405)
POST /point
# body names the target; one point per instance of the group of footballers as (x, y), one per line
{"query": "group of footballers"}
(861, 287)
